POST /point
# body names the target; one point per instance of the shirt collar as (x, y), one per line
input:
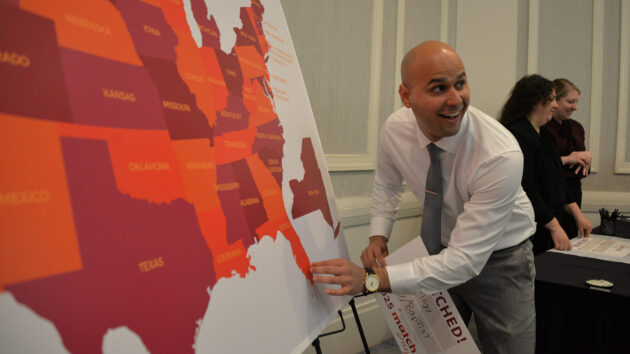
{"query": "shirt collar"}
(449, 143)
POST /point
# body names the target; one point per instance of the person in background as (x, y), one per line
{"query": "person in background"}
(478, 238)
(568, 135)
(529, 107)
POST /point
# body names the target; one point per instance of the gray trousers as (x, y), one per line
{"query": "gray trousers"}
(502, 299)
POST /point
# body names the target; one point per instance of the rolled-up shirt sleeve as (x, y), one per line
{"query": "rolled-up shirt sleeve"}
(493, 191)
(386, 190)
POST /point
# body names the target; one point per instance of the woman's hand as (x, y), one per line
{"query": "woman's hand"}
(582, 159)
(583, 225)
(558, 235)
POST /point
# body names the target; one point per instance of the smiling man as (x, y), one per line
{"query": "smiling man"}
(476, 217)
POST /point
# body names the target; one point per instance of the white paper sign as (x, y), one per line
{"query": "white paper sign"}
(607, 248)
(424, 323)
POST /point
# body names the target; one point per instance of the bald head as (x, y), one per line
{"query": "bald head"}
(425, 56)
(435, 87)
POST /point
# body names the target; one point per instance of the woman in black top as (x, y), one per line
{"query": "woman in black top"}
(530, 106)
(569, 137)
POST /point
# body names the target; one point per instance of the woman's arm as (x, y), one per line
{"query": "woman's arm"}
(584, 226)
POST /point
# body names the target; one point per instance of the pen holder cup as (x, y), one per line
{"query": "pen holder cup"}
(608, 227)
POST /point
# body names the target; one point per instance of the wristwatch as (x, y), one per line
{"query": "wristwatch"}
(371, 281)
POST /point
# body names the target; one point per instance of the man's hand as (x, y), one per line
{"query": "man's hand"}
(375, 251)
(341, 272)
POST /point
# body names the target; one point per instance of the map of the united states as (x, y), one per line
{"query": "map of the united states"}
(140, 162)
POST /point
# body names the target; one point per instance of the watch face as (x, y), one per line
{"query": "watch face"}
(371, 283)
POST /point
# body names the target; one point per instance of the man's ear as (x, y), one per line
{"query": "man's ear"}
(403, 91)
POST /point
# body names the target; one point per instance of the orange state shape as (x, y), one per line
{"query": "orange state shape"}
(252, 63)
(199, 172)
(173, 13)
(234, 146)
(192, 71)
(268, 188)
(215, 79)
(262, 40)
(261, 111)
(249, 97)
(228, 258)
(95, 27)
(145, 165)
(37, 233)
(301, 258)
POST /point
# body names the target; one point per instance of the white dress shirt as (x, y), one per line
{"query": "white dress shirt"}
(484, 207)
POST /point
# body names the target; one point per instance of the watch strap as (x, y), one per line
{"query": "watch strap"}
(368, 272)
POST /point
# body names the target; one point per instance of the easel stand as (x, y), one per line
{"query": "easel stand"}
(316, 345)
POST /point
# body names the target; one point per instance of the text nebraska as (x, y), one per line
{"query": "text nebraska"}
(88, 24)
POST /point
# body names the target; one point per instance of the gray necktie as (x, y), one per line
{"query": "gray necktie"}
(432, 209)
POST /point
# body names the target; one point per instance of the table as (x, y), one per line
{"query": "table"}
(570, 317)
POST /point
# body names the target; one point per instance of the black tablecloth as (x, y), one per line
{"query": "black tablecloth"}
(571, 317)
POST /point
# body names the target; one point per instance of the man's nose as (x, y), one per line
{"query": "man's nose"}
(454, 97)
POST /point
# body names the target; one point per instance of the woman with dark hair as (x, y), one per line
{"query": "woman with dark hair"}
(530, 106)
(568, 135)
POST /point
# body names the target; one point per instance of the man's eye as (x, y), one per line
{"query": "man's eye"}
(460, 84)
(438, 88)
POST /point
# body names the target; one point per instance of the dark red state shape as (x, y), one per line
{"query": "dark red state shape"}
(15, 3)
(31, 76)
(269, 143)
(150, 33)
(246, 35)
(258, 9)
(109, 93)
(233, 118)
(209, 30)
(251, 200)
(232, 74)
(309, 194)
(269, 135)
(183, 118)
(235, 219)
(145, 266)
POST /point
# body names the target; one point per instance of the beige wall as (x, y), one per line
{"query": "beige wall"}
(350, 50)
